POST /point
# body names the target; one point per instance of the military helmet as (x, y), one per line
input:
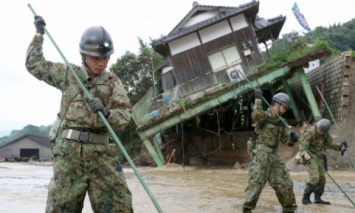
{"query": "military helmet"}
(96, 41)
(323, 125)
(283, 99)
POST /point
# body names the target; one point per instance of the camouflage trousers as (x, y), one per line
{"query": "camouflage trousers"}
(266, 167)
(316, 177)
(87, 168)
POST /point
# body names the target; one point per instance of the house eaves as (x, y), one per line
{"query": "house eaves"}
(161, 65)
(268, 29)
(250, 9)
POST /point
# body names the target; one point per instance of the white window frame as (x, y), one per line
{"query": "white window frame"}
(225, 58)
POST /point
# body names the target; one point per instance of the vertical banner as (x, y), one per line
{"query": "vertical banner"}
(300, 17)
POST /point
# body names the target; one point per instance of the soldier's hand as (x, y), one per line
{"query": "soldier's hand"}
(97, 106)
(343, 147)
(258, 94)
(307, 156)
(39, 24)
(294, 136)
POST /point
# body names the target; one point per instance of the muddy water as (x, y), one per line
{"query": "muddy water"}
(179, 189)
(176, 189)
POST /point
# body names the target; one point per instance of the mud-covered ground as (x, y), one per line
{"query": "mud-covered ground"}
(176, 189)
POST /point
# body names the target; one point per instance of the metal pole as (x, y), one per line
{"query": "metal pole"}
(335, 123)
(295, 110)
(157, 143)
(113, 134)
(310, 97)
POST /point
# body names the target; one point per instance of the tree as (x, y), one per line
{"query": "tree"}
(135, 72)
(339, 36)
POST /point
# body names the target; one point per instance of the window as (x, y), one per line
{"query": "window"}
(223, 59)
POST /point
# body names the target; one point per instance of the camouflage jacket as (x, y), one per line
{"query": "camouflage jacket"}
(272, 131)
(75, 111)
(315, 143)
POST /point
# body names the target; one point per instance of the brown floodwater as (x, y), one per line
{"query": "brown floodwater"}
(187, 189)
(175, 189)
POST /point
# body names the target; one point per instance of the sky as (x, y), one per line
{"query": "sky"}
(26, 100)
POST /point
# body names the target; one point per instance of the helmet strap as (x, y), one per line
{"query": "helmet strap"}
(83, 60)
(276, 112)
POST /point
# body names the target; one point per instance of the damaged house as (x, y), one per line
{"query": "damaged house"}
(205, 103)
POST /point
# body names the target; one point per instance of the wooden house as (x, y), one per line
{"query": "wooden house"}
(210, 42)
(208, 78)
(207, 53)
(211, 46)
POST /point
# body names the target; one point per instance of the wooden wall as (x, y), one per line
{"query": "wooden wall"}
(193, 65)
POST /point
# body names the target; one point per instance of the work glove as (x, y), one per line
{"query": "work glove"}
(97, 106)
(343, 147)
(258, 94)
(294, 137)
(39, 24)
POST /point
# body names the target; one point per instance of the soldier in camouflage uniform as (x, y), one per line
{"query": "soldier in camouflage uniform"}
(85, 157)
(266, 163)
(317, 140)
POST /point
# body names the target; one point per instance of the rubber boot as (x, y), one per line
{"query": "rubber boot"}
(246, 210)
(305, 199)
(318, 200)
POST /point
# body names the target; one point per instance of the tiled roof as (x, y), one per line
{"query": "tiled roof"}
(223, 13)
(265, 29)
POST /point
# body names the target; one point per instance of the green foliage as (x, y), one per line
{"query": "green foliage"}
(318, 45)
(289, 48)
(125, 68)
(134, 70)
(27, 130)
(339, 37)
